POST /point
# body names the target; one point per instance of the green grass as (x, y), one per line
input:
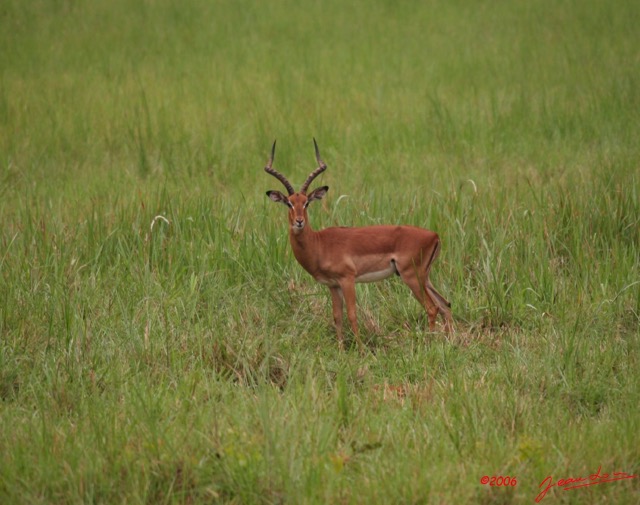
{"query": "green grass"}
(194, 361)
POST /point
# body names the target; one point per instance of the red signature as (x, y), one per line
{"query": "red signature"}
(577, 482)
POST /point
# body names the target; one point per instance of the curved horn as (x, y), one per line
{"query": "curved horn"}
(277, 174)
(322, 166)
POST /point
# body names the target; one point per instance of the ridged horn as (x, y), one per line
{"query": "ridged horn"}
(322, 166)
(277, 174)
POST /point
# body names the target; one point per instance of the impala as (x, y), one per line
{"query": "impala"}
(340, 257)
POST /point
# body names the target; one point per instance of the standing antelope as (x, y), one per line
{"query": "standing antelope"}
(340, 257)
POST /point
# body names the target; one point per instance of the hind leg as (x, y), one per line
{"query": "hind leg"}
(443, 305)
(417, 282)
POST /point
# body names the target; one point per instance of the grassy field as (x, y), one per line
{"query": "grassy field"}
(160, 344)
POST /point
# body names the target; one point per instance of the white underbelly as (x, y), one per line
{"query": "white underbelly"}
(378, 275)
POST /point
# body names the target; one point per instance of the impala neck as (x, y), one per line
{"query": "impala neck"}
(304, 247)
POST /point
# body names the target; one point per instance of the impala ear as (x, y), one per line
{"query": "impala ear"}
(318, 193)
(277, 197)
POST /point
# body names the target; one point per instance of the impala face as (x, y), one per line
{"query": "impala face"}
(298, 203)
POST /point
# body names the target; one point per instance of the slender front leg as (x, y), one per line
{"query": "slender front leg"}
(349, 290)
(336, 300)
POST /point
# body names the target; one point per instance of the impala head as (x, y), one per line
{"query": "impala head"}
(297, 201)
